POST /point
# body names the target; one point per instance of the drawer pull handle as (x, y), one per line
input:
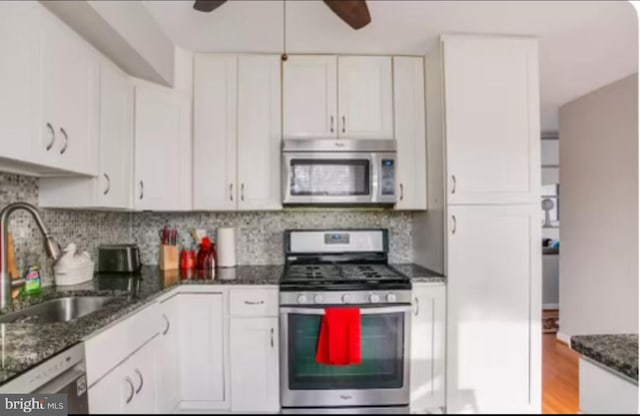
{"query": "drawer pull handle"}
(106, 191)
(141, 190)
(128, 380)
(417, 308)
(53, 136)
(168, 324)
(66, 141)
(141, 380)
(453, 184)
(257, 302)
(272, 341)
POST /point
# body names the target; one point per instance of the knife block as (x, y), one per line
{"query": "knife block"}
(168, 257)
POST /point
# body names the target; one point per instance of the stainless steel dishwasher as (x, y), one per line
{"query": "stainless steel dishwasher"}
(64, 373)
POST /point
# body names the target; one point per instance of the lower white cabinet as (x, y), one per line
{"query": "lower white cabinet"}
(202, 358)
(130, 388)
(255, 381)
(167, 357)
(427, 368)
(603, 391)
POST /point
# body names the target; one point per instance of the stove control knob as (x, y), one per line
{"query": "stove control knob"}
(373, 298)
(318, 299)
(302, 299)
(346, 298)
(391, 297)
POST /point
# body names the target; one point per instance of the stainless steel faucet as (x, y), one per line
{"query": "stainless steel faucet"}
(51, 247)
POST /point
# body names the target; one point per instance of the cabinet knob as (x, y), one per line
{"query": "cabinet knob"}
(66, 141)
(53, 136)
(106, 191)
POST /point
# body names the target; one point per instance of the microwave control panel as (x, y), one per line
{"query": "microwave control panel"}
(388, 177)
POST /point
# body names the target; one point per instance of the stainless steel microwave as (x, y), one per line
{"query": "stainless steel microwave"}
(339, 172)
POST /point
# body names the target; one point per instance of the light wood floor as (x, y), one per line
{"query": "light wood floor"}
(559, 377)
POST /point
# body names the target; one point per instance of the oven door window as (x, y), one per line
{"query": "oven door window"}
(382, 355)
(330, 177)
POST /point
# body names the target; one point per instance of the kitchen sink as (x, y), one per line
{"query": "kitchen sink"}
(58, 310)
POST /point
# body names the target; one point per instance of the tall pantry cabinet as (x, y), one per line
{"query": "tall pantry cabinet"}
(483, 210)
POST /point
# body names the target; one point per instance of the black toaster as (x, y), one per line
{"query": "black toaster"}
(119, 258)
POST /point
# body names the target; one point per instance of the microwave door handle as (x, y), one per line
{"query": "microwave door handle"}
(374, 177)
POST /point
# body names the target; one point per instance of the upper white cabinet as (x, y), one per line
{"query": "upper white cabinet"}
(19, 79)
(409, 101)
(214, 132)
(428, 347)
(112, 188)
(365, 102)
(237, 132)
(492, 119)
(162, 149)
(259, 132)
(70, 88)
(328, 96)
(493, 318)
(310, 101)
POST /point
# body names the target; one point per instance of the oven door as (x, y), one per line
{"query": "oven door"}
(337, 178)
(382, 379)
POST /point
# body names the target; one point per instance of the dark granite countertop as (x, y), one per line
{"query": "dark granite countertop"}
(419, 274)
(24, 345)
(617, 352)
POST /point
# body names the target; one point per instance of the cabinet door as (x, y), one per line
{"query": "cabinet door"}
(255, 383)
(142, 371)
(162, 150)
(408, 96)
(167, 358)
(201, 347)
(113, 393)
(259, 134)
(310, 96)
(19, 80)
(364, 97)
(428, 347)
(492, 120)
(214, 132)
(115, 180)
(70, 83)
(493, 309)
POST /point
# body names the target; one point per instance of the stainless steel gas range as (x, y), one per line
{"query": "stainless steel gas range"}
(335, 268)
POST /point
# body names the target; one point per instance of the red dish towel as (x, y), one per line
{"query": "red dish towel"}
(340, 334)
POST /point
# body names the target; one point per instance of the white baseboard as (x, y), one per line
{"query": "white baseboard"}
(563, 337)
(550, 306)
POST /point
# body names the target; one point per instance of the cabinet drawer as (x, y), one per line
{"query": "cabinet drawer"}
(253, 302)
(107, 349)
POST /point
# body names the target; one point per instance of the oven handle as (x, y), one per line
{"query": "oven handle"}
(363, 311)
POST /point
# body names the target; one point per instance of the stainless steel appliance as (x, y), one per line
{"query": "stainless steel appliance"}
(119, 258)
(64, 373)
(330, 268)
(339, 172)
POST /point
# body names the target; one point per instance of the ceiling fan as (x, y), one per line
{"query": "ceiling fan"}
(354, 12)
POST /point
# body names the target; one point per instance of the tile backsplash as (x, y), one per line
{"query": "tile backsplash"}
(259, 235)
(87, 229)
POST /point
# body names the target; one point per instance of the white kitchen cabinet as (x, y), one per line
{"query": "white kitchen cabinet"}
(493, 261)
(19, 79)
(603, 391)
(112, 188)
(492, 119)
(310, 88)
(428, 347)
(202, 359)
(259, 132)
(215, 132)
(162, 149)
(70, 94)
(409, 127)
(130, 388)
(255, 382)
(237, 132)
(167, 357)
(365, 101)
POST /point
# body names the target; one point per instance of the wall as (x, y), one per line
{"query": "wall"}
(86, 229)
(599, 211)
(259, 235)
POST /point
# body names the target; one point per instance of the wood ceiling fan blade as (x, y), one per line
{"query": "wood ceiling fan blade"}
(354, 12)
(207, 5)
